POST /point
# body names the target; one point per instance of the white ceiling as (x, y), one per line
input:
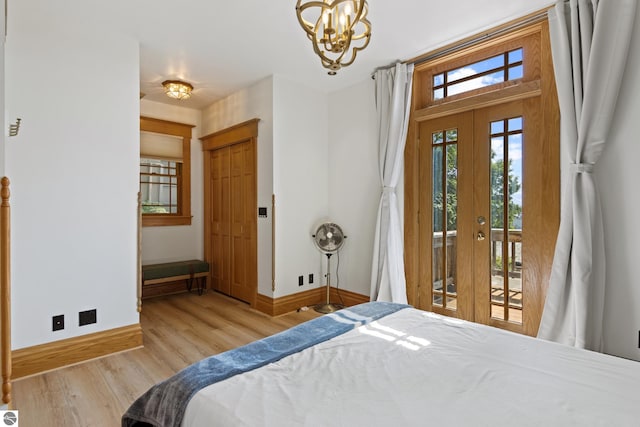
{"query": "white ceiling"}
(223, 46)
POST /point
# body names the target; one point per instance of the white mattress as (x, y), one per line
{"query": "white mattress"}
(414, 368)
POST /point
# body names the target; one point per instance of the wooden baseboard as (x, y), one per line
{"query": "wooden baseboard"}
(45, 357)
(289, 303)
(345, 297)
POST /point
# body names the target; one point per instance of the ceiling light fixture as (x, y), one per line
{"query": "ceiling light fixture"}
(177, 89)
(337, 29)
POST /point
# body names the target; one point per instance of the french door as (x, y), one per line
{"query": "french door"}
(486, 223)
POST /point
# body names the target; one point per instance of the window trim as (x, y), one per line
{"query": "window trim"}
(528, 85)
(183, 217)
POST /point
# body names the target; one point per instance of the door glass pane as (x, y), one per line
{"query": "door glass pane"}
(438, 255)
(506, 219)
(516, 72)
(444, 227)
(437, 138)
(515, 224)
(486, 72)
(497, 221)
(451, 214)
(452, 135)
(476, 83)
(515, 56)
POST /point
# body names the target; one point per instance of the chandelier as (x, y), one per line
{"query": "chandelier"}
(338, 29)
(177, 89)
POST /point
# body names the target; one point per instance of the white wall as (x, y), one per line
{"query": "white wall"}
(354, 181)
(74, 172)
(253, 102)
(177, 243)
(300, 174)
(292, 164)
(618, 176)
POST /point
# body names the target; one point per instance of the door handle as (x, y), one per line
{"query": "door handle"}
(480, 236)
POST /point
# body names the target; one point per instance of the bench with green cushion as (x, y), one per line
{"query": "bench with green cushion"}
(174, 271)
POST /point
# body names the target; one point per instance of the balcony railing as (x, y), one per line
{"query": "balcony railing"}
(446, 272)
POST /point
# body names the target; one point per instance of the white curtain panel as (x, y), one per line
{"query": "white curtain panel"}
(393, 102)
(589, 43)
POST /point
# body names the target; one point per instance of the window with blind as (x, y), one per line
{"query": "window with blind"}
(165, 172)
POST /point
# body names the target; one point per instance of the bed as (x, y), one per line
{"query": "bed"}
(385, 364)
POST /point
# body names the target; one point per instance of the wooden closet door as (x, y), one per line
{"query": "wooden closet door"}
(243, 229)
(220, 220)
(231, 210)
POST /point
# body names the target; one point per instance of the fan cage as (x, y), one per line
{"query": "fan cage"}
(329, 237)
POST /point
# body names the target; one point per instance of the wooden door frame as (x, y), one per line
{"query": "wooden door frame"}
(538, 83)
(239, 133)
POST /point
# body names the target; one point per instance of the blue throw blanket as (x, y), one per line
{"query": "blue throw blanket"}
(164, 404)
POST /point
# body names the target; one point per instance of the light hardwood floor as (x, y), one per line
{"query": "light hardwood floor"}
(178, 330)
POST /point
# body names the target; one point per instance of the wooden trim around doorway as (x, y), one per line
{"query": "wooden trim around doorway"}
(231, 135)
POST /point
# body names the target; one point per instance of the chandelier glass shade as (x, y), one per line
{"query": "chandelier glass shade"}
(177, 89)
(338, 29)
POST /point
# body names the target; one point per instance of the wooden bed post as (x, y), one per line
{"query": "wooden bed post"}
(5, 290)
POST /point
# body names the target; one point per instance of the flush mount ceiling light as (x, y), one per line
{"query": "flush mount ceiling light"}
(337, 29)
(177, 89)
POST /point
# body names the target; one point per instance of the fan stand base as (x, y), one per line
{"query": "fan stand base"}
(327, 308)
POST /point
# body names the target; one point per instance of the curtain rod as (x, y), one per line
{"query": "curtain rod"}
(529, 19)
(480, 38)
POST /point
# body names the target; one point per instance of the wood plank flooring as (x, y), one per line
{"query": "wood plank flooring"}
(178, 330)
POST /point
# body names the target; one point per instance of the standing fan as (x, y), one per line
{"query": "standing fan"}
(328, 239)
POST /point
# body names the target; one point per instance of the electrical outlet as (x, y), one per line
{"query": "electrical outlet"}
(310, 278)
(87, 317)
(58, 322)
(300, 280)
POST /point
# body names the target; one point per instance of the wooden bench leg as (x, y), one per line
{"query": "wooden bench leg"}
(201, 283)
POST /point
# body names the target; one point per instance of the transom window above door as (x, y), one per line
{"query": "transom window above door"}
(480, 75)
(486, 72)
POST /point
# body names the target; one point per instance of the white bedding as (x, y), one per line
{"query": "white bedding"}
(414, 368)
